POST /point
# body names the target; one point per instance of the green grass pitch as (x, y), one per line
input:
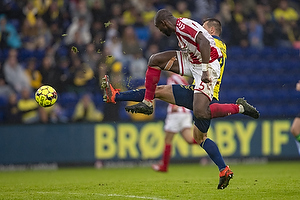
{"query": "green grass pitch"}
(275, 180)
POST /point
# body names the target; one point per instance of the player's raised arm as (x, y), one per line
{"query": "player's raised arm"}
(205, 54)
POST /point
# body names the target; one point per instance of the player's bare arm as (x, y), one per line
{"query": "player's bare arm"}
(205, 53)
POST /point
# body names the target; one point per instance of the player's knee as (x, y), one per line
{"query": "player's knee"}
(199, 136)
(153, 60)
(159, 91)
(201, 114)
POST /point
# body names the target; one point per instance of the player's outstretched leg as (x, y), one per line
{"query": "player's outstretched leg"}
(225, 176)
(109, 91)
(248, 109)
(141, 107)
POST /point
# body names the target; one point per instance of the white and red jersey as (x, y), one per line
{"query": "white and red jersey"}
(186, 32)
(177, 79)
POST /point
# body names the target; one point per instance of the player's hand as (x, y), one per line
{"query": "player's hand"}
(205, 77)
(174, 108)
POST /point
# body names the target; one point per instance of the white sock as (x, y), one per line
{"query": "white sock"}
(148, 103)
(241, 108)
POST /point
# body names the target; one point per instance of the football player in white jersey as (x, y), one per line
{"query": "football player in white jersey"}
(178, 120)
(198, 58)
(184, 96)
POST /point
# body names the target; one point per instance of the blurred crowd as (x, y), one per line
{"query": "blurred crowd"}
(72, 44)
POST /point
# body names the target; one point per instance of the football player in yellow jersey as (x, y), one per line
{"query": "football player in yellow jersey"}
(183, 95)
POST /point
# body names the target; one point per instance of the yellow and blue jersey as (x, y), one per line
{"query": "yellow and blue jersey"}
(222, 46)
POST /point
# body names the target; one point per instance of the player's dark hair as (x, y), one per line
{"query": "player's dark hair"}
(162, 14)
(215, 23)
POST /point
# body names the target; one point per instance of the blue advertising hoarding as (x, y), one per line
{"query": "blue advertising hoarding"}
(86, 143)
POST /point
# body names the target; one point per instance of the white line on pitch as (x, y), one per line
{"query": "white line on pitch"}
(107, 195)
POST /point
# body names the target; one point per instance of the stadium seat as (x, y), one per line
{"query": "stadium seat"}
(67, 99)
(3, 103)
(236, 52)
(123, 114)
(160, 110)
(267, 53)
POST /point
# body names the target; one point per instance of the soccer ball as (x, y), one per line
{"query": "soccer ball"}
(46, 96)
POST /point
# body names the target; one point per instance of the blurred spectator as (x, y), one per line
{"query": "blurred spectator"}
(113, 46)
(112, 29)
(81, 76)
(29, 35)
(12, 113)
(138, 68)
(152, 49)
(14, 73)
(91, 57)
(285, 13)
(51, 75)
(29, 108)
(63, 73)
(33, 74)
(287, 17)
(98, 42)
(130, 44)
(78, 30)
(149, 12)
(57, 33)
(30, 12)
(271, 29)
(78, 45)
(5, 89)
(82, 11)
(141, 30)
(56, 114)
(182, 10)
(204, 9)
(44, 35)
(36, 36)
(96, 29)
(98, 10)
(111, 66)
(53, 14)
(9, 37)
(157, 38)
(42, 5)
(238, 27)
(130, 15)
(12, 9)
(85, 111)
(116, 13)
(255, 34)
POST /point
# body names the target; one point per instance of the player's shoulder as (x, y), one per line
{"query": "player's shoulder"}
(190, 22)
(218, 39)
(220, 44)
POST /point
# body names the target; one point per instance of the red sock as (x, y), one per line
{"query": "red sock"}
(152, 78)
(223, 110)
(166, 155)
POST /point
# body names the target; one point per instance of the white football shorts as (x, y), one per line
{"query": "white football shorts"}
(194, 70)
(177, 121)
